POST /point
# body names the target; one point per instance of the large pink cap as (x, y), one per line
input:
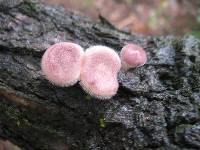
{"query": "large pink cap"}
(132, 56)
(99, 72)
(61, 63)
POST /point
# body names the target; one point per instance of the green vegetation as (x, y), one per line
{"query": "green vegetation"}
(102, 122)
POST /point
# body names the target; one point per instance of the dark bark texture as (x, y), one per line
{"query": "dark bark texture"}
(157, 105)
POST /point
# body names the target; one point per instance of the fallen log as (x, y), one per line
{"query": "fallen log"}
(157, 105)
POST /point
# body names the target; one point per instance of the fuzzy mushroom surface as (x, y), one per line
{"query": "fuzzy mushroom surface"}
(61, 63)
(99, 71)
(132, 56)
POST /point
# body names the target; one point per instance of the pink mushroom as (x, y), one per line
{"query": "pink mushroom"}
(99, 72)
(132, 56)
(61, 63)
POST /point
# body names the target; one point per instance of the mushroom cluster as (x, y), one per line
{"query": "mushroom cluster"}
(65, 63)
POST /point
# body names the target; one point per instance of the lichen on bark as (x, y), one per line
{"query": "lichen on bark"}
(157, 105)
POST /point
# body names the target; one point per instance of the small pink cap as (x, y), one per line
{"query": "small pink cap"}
(99, 72)
(132, 56)
(61, 63)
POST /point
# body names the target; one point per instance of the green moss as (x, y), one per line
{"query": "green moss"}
(102, 123)
(177, 44)
(16, 116)
(181, 128)
(45, 129)
(28, 8)
(196, 67)
(12, 113)
(88, 98)
(32, 6)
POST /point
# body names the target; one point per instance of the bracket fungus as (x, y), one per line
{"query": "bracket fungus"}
(61, 63)
(132, 56)
(99, 71)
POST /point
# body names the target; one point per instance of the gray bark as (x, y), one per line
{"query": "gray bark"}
(157, 105)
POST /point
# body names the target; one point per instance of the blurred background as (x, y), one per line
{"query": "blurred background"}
(149, 17)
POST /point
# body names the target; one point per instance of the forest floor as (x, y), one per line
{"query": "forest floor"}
(149, 17)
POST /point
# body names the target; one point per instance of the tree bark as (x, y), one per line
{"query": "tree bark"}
(156, 107)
